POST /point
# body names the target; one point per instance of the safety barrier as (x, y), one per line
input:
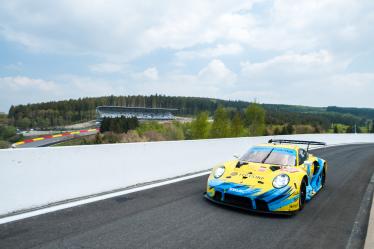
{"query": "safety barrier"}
(35, 177)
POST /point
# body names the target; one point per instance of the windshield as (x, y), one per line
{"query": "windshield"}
(270, 155)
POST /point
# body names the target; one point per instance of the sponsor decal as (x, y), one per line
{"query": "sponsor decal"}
(249, 175)
(289, 169)
(236, 190)
(262, 169)
(248, 188)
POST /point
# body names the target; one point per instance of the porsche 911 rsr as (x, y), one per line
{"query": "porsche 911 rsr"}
(276, 177)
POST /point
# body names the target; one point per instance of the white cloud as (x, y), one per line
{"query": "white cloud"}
(212, 80)
(124, 29)
(151, 73)
(36, 43)
(128, 29)
(214, 52)
(106, 68)
(216, 73)
(292, 63)
(274, 48)
(87, 86)
(22, 90)
(26, 83)
(148, 75)
(354, 81)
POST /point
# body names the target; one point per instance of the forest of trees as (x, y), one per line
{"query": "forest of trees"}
(66, 112)
(8, 133)
(362, 112)
(119, 125)
(249, 123)
(228, 119)
(59, 113)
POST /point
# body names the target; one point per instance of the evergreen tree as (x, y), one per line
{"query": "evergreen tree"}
(290, 129)
(284, 131)
(119, 125)
(349, 129)
(7, 132)
(200, 126)
(316, 129)
(237, 127)
(24, 123)
(255, 115)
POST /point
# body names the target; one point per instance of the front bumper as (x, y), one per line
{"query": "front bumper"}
(274, 200)
(246, 208)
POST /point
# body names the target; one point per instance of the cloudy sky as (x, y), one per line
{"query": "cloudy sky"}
(304, 52)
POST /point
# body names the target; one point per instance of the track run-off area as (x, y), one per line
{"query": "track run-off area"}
(177, 216)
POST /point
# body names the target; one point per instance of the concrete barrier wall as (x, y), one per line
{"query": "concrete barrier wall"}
(39, 176)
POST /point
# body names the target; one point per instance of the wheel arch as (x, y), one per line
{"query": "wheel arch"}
(316, 166)
(325, 166)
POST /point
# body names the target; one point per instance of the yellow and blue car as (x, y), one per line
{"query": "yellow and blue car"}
(277, 177)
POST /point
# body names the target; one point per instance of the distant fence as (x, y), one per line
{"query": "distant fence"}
(35, 177)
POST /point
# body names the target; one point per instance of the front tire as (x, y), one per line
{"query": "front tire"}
(302, 194)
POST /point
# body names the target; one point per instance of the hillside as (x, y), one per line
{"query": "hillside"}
(67, 112)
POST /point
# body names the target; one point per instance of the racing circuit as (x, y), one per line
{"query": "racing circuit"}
(49, 140)
(177, 216)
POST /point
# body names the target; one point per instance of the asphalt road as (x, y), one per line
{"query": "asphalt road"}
(177, 216)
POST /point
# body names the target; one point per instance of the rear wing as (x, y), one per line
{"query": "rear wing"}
(288, 141)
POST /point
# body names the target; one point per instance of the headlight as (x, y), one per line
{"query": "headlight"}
(281, 180)
(219, 172)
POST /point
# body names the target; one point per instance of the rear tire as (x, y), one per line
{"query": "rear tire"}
(302, 195)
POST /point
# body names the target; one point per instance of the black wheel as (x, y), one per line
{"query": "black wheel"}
(302, 194)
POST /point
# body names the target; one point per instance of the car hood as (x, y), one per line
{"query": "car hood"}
(253, 175)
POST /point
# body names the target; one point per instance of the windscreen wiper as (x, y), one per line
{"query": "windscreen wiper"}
(267, 156)
(241, 163)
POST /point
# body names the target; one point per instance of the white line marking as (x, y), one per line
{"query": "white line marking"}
(96, 198)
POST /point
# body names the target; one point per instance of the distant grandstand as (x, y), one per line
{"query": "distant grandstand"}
(142, 113)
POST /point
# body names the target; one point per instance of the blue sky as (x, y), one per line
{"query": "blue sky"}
(302, 52)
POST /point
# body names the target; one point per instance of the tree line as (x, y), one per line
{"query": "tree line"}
(66, 112)
(119, 124)
(250, 122)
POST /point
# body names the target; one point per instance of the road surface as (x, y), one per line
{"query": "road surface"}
(177, 216)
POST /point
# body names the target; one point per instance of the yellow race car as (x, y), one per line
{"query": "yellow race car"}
(277, 177)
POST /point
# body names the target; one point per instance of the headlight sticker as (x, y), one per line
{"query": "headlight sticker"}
(281, 181)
